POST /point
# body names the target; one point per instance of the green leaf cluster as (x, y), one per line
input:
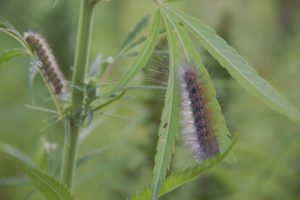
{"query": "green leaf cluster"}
(49, 186)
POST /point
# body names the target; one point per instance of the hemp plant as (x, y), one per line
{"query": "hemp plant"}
(190, 104)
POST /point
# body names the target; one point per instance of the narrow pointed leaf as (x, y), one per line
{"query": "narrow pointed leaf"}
(9, 30)
(183, 176)
(143, 57)
(133, 45)
(169, 125)
(140, 26)
(50, 187)
(193, 56)
(237, 66)
(8, 55)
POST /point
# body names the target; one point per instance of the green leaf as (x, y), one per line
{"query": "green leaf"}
(169, 125)
(139, 27)
(136, 43)
(181, 177)
(50, 187)
(8, 55)
(143, 57)
(9, 30)
(193, 56)
(133, 45)
(237, 66)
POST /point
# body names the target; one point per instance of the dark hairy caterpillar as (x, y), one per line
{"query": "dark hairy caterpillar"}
(49, 67)
(197, 128)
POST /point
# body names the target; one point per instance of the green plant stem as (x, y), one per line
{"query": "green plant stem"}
(79, 77)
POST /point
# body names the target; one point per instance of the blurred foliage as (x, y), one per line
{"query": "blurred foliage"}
(267, 34)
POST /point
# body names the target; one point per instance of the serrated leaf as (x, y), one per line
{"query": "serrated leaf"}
(50, 187)
(169, 124)
(139, 27)
(183, 176)
(237, 66)
(143, 57)
(193, 56)
(8, 55)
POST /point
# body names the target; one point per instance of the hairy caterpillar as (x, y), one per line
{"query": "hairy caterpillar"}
(49, 67)
(197, 128)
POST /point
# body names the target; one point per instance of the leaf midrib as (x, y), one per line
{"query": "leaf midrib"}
(169, 116)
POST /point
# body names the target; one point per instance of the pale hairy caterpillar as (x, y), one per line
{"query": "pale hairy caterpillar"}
(196, 114)
(49, 67)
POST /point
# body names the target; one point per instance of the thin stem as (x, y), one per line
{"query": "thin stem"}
(79, 77)
(81, 54)
(70, 154)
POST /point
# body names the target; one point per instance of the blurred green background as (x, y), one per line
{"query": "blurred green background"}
(266, 33)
